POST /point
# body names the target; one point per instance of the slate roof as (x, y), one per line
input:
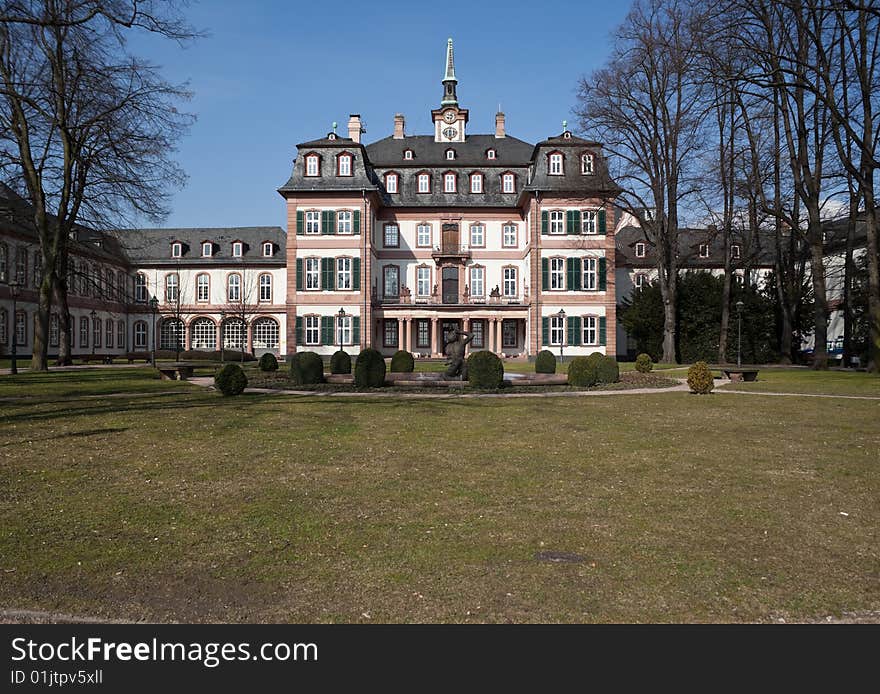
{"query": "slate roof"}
(328, 181)
(572, 180)
(689, 241)
(836, 231)
(510, 152)
(153, 246)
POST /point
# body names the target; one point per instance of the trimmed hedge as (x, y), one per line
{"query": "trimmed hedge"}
(340, 362)
(485, 370)
(230, 380)
(607, 370)
(545, 363)
(700, 378)
(229, 355)
(402, 362)
(644, 363)
(306, 368)
(268, 362)
(369, 369)
(582, 372)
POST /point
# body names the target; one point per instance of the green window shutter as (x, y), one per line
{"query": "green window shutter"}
(545, 274)
(602, 331)
(578, 330)
(356, 222)
(545, 223)
(299, 330)
(300, 222)
(569, 274)
(601, 216)
(602, 282)
(331, 222)
(356, 274)
(569, 222)
(328, 272)
(578, 273)
(545, 331)
(325, 224)
(299, 275)
(576, 216)
(571, 331)
(356, 330)
(326, 330)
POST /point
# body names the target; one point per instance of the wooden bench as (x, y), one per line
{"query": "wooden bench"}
(737, 375)
(176, 371)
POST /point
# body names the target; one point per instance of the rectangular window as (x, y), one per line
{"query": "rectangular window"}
(640, 250)
(509, 235)
(268, 249)
(590, 333)
(588, 222)
(424, 183)
(313, 330)
(20, 328)
(343, 330)
(390, 332)
(313, 273)
(21, 266)
(510, 289)
(343, 222)
(140, 335)
(312, 166)
(507, 183)
(266, 288)
(479, 334)
(171, 288)
(640, 280)
(207, 249)
(140, 289)
(391, 283)
(83, 332)
(233, 288)
(108, 333)
(343, 273)
(236, 249)
(423, 281)
(735, 251)
(477, 183)
(423, 235)
(53, 330)
(345, 165)
(557, 223)
(478, 286)
(120, 334)
(704, 250)
(590, 278)
(557, 329)
(423, 333)
(555, 164)
(313, 222)
(392, 236)
(176, 250)
(96, 332)
(449, 183)
(391, 183)
(202, 288)
(587, 164)
(478, 235)
(508, 333)
(557, 273)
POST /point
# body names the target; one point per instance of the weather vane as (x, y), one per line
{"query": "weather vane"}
(564, 125)
(334, 126)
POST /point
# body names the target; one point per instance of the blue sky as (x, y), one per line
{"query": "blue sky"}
(272, 74)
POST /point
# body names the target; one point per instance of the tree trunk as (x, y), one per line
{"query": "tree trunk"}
(820, 300)
(873, 280)
(39, 357)
(848, 274)
(65, 356)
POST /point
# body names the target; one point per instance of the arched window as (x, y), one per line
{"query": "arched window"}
(268, 249)
(172, 288)
(83, 332)
(140, 288)
(233, 288)
(587, 164)
(120, 334)
(343, 164)
(391, 182)
(449, 182)
(108, 333)
(424, 182)
(203, 287)
(96, 332)
(476, 183)
(554, 163)
(508, 183)
(171, 334)
(490, 154)
(140, 335)
(313, 165)
(266, 288)
(237, 249)
(265, 334)
(4, 262)
(203, 334)
(176, 249)
(450, 154)
(234, 334)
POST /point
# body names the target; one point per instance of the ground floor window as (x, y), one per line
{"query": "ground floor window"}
(120, 334)
(4, 329)
(478, 330)
(265, 334)
(96, 332)
(21, 328)
(508, 333)
(140, 335)
(108, 333)
(234, 334)
(557, 330)
(54, 326)
(423, 333)
(590, 334)
(203, 334)
(343, 330)
(390, 336)
(83, 332)
(313, 328)
(171, 334)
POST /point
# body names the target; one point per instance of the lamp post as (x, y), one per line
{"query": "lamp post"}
(93, 316)
(739, 329)
(14, 288)
(561, 316)
(154, 306)
(341, 317)
(222, 341)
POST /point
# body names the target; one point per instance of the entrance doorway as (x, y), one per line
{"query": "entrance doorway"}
(446, 327)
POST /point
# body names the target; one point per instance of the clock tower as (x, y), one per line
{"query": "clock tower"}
(449, 119)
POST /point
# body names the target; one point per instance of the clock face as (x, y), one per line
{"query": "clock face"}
(450, 133)
(449, 116)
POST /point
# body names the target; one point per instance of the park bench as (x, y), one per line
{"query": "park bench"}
(738, 374)
(176, 371)
(132, 357)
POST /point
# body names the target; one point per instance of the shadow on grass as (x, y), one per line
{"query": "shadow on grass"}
(67, 435)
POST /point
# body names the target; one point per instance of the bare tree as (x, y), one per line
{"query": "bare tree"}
(87, 129)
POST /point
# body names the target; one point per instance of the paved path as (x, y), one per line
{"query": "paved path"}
(798, 395)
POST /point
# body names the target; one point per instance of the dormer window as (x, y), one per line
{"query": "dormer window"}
(343, 165)
(176, 249)
(207, 249)
(587, 164)
(268, 249)
(450, 154)
(391, 180)
(736, 251)
(312, 165)
(649, 214)
(491, 154)
(449, 182)
(508, 183)
(555, 164)
(237, 249)
(424, 182)
(331, 136)
(476, 183)
(407, 154)
(640, 250)
(704, 250)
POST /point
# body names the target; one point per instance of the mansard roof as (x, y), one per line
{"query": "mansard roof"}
(598, 183)
(758, 254)
(510, 152)
(153, 246)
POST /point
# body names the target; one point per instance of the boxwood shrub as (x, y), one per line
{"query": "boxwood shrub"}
(700, 378)
(582, 372)
(607, 370)
(268, 362)
(485, 370)
(340, 362)
(644, 363)
(545, 363)
(403, 362)
(230, 380)
(306, 368)
(369, 369)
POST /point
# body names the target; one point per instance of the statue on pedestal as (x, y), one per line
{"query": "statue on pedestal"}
(454, 344)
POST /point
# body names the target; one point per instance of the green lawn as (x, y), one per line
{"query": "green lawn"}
(190, 506)
(529, 367)
(779, 380)
(95, 381)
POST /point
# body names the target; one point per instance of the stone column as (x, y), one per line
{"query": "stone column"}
(499, 344)
(466, 326)
(249, 346)
(400, 333)
(411, 327)
(219, 335)
(434, 350)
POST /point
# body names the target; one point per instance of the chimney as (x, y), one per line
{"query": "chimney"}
(399, 123)
(355, 128)
(499, 124)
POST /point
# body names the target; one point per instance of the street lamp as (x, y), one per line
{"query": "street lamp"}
(739, 329)
(561, 316)
(154, 306)
(341, 315)
(14, 288)
(94, 334)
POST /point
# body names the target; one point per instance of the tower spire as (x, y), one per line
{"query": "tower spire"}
(449, 81)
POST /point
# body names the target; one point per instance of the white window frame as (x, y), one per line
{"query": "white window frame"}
(203, 287)
(477, 183)
(109, 332)
(477, 235)
(450, 154)
(396, 236)
(233, 288)
(313, 222)
(589, 222)
(391, 272)
(450, 183)
(704, 250)
(639, 280)
(313, 274)
(313, 166)
(343, 330)
(736, 251)
(424, 182)
(140, 288)
(478, 281)
(343, 274)
(265, 288)
(557, 330)
(391, 182)
(587, 164)
(509, 235)
(641, 249)
(555, 165)
(407, 154)
(312, 331)
(176, 249)
(423, 280)
(509, 282)
(424, 235)
(491, 154)
(508, 183)
(140, 335)
(590, 274)
(344, 222)
(237, 249)
(268, 249)
(172, 288)
(557, 222)
(590, 334)
(207, 249)
(345, 165)
(557, 274)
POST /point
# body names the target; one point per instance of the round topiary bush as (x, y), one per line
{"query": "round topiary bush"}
(340, 363)
(230, 380)
(582, 372)
(545, 363)
(402, 362)
(485, 370)
(644, 363)
(268, 362)
(369, 369)
(306, 368)
(700, 378)
(607, 370)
